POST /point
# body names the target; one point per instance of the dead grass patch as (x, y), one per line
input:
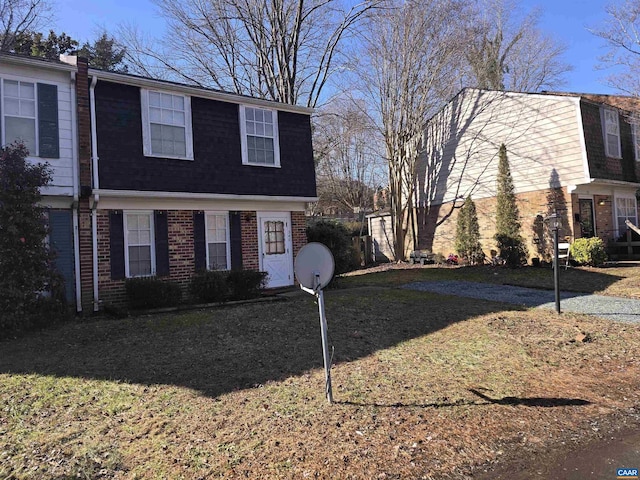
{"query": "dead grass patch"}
(426, 386)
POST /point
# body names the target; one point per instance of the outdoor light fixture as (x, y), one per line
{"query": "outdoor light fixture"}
(602, 202)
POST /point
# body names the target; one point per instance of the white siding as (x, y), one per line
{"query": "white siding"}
(381, 231)
(542, 134)
(62, 183)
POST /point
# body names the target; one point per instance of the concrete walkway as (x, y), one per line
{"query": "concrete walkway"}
(612, 308)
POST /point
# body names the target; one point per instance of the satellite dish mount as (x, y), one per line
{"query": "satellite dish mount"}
(314, 267)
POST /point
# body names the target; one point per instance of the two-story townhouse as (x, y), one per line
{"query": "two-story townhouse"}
(570, 154)
(37, 107)
(187, 178)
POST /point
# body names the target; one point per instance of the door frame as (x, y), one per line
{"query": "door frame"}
(286, 217)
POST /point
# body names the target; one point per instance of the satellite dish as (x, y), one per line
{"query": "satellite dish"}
(314, 260)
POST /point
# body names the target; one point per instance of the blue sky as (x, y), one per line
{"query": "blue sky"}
(565, 19)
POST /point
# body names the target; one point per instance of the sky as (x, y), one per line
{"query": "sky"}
(566, 20)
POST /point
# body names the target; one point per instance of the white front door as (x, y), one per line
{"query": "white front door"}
(276, 257)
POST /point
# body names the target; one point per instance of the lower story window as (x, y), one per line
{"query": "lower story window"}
(139, 261)
(217, 241)
(274, 243)
(626, 209)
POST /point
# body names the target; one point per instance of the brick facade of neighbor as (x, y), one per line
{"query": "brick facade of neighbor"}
(533, 207)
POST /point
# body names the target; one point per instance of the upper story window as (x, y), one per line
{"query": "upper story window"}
(30, 115)
(259, 136)
(139, 244)
(19, 110)
(218, 251)
(611, 130)
(166, 125)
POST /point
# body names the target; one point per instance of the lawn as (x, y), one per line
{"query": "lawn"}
(425, 386)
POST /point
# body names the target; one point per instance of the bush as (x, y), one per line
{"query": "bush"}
(245, 284)
(151, 292)
(210, 286)
(336, 237)
(219, 286)
(588, 251)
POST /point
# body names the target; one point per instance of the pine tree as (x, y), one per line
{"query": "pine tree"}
(508, 226)
(468, 234)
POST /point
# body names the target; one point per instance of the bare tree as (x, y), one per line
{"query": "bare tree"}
(348, 162)
(283, 50)
(18, 17)
(508, 54)
(412, 65)
(621, 31)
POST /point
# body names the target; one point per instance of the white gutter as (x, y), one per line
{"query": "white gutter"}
(200, 196)
(96, 185)
(76, 181)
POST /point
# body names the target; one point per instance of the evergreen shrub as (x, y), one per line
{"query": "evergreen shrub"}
(337, 238)
(151, 292)
(588, 251)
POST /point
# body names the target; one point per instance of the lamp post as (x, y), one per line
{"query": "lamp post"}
(554, 221)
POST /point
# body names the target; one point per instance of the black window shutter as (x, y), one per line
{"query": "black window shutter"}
(116, 244)
(48, 136)
(235, 235)
(162, 242)
(199, 242)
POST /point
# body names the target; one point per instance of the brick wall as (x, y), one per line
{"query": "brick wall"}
(84, 164)
(249, 232)
(181, 257)
(298, 231)
(604, 216)
(181, 250)
(533, 207)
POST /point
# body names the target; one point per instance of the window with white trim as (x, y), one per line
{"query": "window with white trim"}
(19, 113)
(218, 245)
(611, 129)
(139, 244)
(259, 136)
(166, 125)
(626, 209)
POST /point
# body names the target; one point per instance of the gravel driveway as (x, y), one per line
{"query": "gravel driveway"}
(613, 308)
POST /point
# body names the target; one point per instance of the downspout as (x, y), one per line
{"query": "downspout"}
(96, 186)
(74, 207)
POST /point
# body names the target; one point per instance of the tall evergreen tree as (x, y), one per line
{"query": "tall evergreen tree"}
(105, 53)
(468, 234)
(508, 226)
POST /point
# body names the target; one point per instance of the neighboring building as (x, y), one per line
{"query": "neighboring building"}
(38, 108)
(187, 178)
(573, 154)
(158, 178)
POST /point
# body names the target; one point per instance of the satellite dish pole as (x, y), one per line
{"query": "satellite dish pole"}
(314, 268)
